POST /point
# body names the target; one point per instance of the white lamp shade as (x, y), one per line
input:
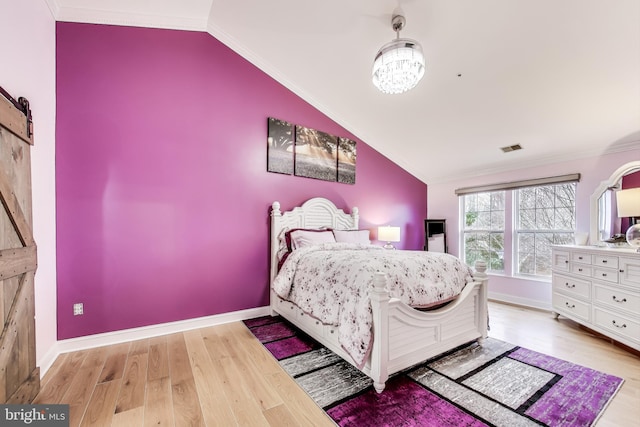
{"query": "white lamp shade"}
(389, 234)
(628, 202)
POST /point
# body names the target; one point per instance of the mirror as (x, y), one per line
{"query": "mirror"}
(604, 218)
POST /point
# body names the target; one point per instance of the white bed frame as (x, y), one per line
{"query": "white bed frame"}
(402, 336)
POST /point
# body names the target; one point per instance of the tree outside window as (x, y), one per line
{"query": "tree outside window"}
(545, 216)
(483, 229)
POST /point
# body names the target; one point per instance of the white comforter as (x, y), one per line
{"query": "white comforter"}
(331, 282)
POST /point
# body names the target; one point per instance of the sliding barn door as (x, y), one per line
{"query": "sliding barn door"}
(19, 376)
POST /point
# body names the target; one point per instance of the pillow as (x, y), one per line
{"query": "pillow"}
(302, 238)
(285, 245)
(287, 235)
(352, 236)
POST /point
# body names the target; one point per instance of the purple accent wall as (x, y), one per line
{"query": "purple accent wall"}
(162, 191)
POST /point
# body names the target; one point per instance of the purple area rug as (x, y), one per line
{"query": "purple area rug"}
(493, 384)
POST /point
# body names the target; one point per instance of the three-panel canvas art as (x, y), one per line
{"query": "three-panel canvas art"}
(302, 151)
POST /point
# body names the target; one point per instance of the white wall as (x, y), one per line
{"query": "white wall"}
(27, 52)
(443, 203)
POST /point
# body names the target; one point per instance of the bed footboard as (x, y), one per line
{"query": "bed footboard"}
(404, 337)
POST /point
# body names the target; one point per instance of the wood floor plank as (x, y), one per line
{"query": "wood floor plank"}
(280, 416)
(131, 418)
(83, 384)
(139, 346)
(100, 408)
(246, 362)
(57, 382)
(134, 382)
(186, 404)
(115, 363)
(245, 409)
(158, 359)
(214, 343)
(158, 407)
(215, 409)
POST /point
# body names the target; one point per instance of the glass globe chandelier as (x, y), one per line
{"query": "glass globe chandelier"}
(399, 64)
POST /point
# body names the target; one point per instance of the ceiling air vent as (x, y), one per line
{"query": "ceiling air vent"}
(511, 148)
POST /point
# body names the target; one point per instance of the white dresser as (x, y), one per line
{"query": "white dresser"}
(599, 288)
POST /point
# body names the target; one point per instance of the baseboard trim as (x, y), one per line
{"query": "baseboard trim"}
(117, 337)
(525, 302)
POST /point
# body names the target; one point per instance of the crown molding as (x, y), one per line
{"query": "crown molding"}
(125, 18)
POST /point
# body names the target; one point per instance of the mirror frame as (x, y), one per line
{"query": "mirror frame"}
(613, 180)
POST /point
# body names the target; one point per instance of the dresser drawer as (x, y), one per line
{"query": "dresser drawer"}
(560, 260)
(605, 274)
(565, 304)
(618, 324)
(630, 272)
(605, 261)
(618, 300)
(581, 257)
(572, 286)
(582, 270)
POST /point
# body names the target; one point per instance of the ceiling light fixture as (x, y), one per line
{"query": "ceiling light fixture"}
(399, 64)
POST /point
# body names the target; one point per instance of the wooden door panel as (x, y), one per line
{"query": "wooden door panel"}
(19, 376)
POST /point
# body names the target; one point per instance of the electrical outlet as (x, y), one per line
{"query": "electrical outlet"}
(78, 309)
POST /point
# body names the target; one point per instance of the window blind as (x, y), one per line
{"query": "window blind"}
(562, 179)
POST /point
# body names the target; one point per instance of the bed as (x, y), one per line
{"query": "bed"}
(401, 336)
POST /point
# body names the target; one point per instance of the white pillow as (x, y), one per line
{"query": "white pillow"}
(352, 236)
(302, 238)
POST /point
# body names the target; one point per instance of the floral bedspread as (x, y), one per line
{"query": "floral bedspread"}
(331, 282)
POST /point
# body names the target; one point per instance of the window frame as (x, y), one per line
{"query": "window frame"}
(464, 232)
(518, 231)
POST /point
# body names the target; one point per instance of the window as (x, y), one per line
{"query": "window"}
(525, 216)
(483, 229)
(545, 216)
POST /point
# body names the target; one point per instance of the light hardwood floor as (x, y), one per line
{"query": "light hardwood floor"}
(222, 376)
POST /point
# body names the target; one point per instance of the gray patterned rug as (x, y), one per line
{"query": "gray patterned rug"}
(493, 384)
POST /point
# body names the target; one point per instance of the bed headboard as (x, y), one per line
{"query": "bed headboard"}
(314, 213)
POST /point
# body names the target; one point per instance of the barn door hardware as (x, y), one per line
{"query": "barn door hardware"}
(21, 104)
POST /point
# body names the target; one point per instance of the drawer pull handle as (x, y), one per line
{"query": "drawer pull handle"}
(579, 269)
(621, 271)
(571, 286)
(331, 331)
(566, 261)
(570, 305)
(317, 323)
(604, 274)
(624, 325)
(604, 261)
(619, 300)
(579, 257)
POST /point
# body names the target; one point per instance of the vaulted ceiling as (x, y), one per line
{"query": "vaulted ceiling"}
(559, 77)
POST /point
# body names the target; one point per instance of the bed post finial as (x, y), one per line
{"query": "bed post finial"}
(355, 215)
(275, 209)
(481, 270)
